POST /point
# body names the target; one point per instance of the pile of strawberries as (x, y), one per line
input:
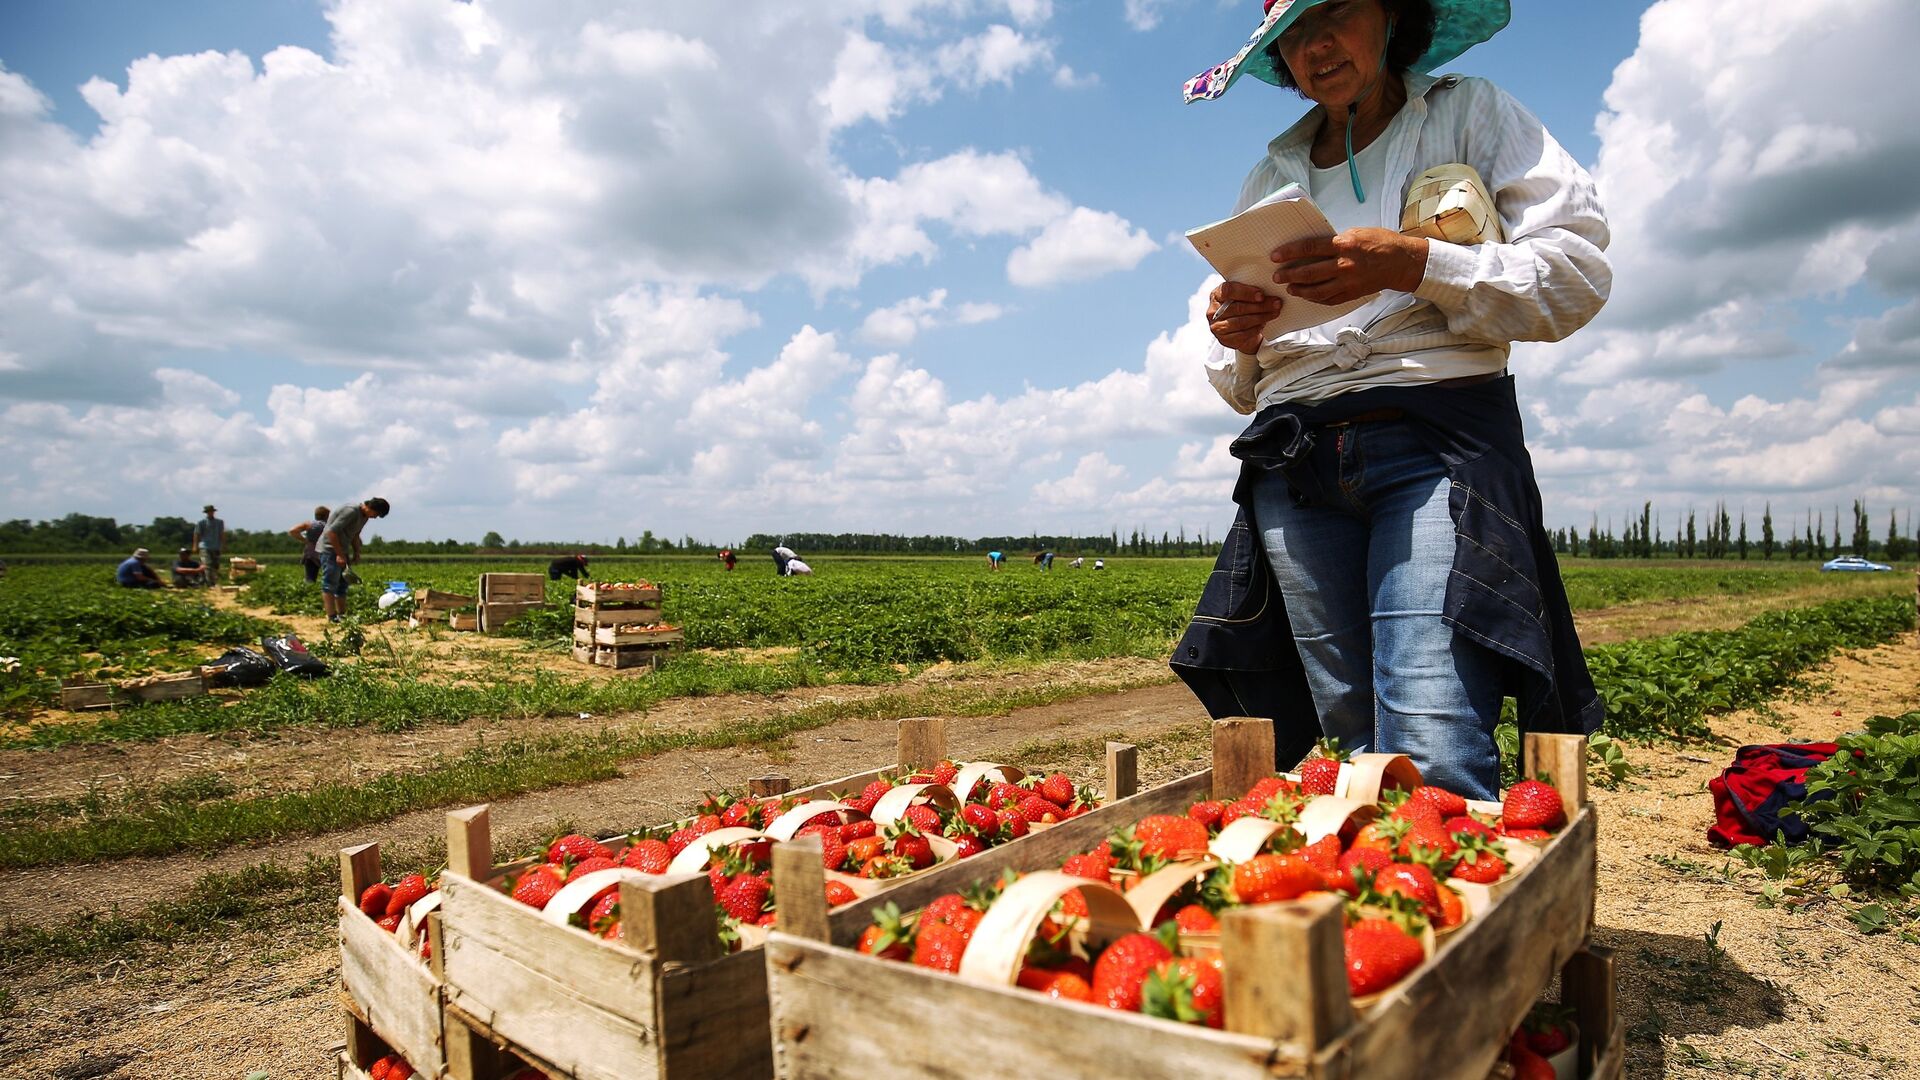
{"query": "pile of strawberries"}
(387, 904)
(1547, 1031)
(390, 1067)
(1397, 874)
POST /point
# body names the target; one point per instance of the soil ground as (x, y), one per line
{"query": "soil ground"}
(1712, 983)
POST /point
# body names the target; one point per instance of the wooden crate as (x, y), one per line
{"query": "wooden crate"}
(621, 657)
(393, 1000)
(590, 617)
(664, 1002)
(240, 569)
(599, 596)
(1288, 1005)
(513, 588)
(613, 635)
(435, 601)
(492, 616)
(77, 694)
(463, 620)
(185, 684)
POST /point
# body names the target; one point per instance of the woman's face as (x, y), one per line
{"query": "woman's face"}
(1334, 49)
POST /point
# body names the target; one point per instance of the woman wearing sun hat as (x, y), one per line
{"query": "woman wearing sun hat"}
(1385, 487)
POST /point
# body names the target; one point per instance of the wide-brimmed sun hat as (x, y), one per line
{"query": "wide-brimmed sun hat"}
(1459, 25)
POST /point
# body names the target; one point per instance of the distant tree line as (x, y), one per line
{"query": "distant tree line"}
(1137, 543)
(1640, 536)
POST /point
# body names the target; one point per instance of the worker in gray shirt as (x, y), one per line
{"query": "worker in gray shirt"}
(210, 536)
(338, 547)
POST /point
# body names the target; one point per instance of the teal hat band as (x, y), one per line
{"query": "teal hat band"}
(1459, 25)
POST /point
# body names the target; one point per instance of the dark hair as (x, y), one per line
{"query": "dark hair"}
(322, 512)
(378, 506)
(1413, 22)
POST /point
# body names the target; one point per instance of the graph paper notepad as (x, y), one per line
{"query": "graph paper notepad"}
(1240, 248)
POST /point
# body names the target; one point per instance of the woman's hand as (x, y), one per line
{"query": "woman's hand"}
(1236, 313)
(1350, 265)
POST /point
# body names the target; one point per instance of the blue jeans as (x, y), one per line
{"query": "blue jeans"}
(1361, 544)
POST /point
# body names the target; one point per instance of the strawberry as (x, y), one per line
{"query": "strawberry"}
(939, 946)
(1122, 969)
(604, 917)
(703, 825)
(1238, 809)
(1002, 794)
(1324, 853)
(888, 938)
(1038, 811)
(925, 818)
(535, 887)
(1187, 989)
(884, 866)
(1379, 954)
(1319, 775)
(1194, 919)
(1095, 867)
(1532, 804)
(1056, 983)
(588, 866)
(968, 845)
(379, 1069)
(1481, 862)
(1057, 789)
(1168, 837)
(1369, 861)
(1207, 812)
(833, 850)
(1453, 910)
(407, 892)
(943, 908)
(389, 923)
(914, 848)
(738, 813)
(866, 847)
(401, 1070)
(1525, 834)
(1449, 804)
(870, 795)
(1549, 1040)
(647, 856)
(745, 897)
(946, 773)
(857, 830)
(1267, 878)
(1418, 812)
(839, 893)
(375, 898)
(678, 840)
(1267, 787)
(980, 818)
(1012, 825)
(1531, 1066)
(1414, 881)
(574, 847)
(1471, 826)
(1431, 839)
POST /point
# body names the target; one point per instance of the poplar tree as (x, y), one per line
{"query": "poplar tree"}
(1743, 535)
(1766, 530)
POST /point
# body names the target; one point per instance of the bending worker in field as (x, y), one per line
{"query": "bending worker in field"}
(339, 547)
(1385, 491)
(308, 533)
(570, 566)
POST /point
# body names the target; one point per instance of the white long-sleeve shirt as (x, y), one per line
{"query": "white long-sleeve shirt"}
(1547, 280)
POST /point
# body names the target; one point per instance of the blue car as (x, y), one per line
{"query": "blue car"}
(1852, 562)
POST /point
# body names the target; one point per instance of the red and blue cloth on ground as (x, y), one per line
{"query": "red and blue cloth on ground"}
(1748, 798)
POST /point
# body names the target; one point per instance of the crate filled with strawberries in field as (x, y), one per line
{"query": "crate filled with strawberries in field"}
(1346, 921)
(618, 624)
(638, 954)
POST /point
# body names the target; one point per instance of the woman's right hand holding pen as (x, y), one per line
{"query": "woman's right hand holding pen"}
(1236, 314)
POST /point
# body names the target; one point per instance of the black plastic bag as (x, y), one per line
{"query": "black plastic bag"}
(241, 666)
(293, 657)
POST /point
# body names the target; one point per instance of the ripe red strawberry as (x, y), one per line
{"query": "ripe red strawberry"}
(946, 773)
(647, 856)
(1449, 804)
(1057, 789)
(1370, 860)
(1266, 878)
(1003, 794)
(374, 899)
(924, 817)
(1187, 989)
(1417, 812)
(839, 893)
(1123, 967)
(678, 840)
(1429, 838)
(588, 866)
(738, 813)
(939, 947)
(833, 851)
(1453, 908)
(1531, 1066)
(1012, 825)
(1169, 837)
(1319, 775)
(1471, 826)
(408, 891)
(1056, 983)
(379, 1069)
(1207, 812)
(1547, 1039)
(943, 908)
(1379, 954)
(745, 897)
(719, 876)
(1093, 867)
(914, 848)
(1526, 834)
(857, 830)
(968, 845)
(1039, 811)
(869, 795)
(574, 847)
(888, 937)
(1238, 809)
(604, 917)
(535, 887)
(1480, 864)
(389, 923)
(980, 818)
(1411, 880)
(1194, 919)
(703, 825)
(1532, 804)
(1324, 853)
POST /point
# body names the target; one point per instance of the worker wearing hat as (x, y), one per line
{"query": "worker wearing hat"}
(134, 573)
(1385, 488)
(210, 536)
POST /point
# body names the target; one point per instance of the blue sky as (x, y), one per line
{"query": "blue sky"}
(904, 265)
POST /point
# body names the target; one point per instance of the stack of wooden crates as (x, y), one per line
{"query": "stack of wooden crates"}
(606, 626)
(509, 596)
(433, 605)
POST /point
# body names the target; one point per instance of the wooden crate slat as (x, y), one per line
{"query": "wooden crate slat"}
(494, 615)
(599, 596)
(510, 587)
(77, 697)
(392, 991)
(585, 616)
(608, 635)
(168, 688)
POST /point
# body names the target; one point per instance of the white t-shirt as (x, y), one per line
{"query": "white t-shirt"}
(795, 566)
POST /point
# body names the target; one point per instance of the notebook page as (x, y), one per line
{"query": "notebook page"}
(1239, 248)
